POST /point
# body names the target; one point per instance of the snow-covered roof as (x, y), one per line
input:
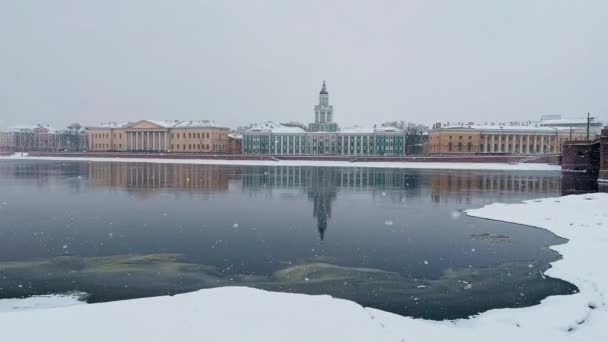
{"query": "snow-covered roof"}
(111, 124)
(164, 123)
(29, 128)
(370, 130)
(535, 128)
(567, 121)
(274, 127)
(197, 124)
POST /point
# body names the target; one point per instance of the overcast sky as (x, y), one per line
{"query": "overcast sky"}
(245, 61)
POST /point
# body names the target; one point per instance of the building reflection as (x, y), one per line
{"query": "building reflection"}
(320, 185)
(143, 178)
(322, 192)
(577, 183)
(43, 174)
(463, 187)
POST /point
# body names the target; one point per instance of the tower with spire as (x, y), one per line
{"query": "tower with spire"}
(324, 114)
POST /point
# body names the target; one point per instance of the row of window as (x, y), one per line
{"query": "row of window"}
(101, 135)
(190, 147)
(469, 147)
(105, 135)
(106, 146)
(197, 135)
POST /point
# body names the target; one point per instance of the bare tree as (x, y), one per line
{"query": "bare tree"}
(415, 135)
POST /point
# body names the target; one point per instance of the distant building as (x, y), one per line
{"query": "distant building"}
(323, 138)
(544, 136)
(576, 124)
(40, 138)
(159, 136)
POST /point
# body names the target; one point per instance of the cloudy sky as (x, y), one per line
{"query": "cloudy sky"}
(236, 62)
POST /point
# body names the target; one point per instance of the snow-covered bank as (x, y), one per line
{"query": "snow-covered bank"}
(398, 165)
(243, 314)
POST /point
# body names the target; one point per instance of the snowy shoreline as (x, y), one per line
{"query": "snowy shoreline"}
(397, 165)
(238, 314)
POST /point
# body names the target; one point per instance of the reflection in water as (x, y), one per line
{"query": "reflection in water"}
(577, 183)
(386, 238)
(151, 177)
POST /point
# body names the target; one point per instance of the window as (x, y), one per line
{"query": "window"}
(469, 147)
(450, 147)
(178, 138)
(460, 146)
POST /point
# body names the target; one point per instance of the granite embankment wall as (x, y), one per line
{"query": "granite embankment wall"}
(549, 158)
(587, 156)
(603, 176)
(581, 156)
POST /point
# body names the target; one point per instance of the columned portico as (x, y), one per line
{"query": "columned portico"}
(155, 141)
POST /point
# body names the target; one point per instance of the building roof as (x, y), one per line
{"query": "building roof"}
(370, 130)
(499, 128)
(111, 124)
(559, 121)
(29, 128)
(163, 124)
(273, 127)
(198, 124)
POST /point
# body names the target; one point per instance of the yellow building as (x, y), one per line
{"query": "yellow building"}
(160, 136)
(500, 139)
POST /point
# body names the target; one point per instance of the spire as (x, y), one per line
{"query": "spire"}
(323, 90)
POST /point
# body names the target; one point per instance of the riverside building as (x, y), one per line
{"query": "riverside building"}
(323, 137)
(542, 137)
(41, 138)
(159, 136)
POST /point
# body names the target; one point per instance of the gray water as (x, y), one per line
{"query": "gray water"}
(395, 240)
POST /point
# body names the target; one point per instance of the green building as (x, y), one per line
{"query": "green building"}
(323, 137)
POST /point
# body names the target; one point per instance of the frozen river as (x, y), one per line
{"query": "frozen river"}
(391, 239)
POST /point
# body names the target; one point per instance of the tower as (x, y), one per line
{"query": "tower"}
(324, 114)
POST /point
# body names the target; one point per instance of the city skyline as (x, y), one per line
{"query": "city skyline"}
(238, 63)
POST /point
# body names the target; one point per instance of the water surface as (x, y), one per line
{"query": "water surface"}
(391, 239)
